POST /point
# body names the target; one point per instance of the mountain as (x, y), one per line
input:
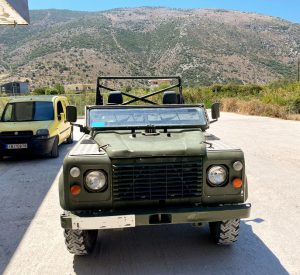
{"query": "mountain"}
(203, 45)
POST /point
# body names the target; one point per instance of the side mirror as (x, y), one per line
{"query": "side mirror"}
(71, 113)
(215, 111)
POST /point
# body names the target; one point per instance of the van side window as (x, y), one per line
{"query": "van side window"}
(59, 109)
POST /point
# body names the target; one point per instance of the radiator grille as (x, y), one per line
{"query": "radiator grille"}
(157, 181)
(17, 134)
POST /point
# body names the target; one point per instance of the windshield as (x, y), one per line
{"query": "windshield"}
(28, 111)
(139, 117)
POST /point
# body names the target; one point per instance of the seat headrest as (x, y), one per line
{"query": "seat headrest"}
(115, 97)
(170, 97)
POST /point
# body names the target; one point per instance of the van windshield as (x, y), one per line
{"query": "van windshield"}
(28, 111)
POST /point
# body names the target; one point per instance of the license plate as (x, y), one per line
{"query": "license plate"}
(17, 146)
(112, 222)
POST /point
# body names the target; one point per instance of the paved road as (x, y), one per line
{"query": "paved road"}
(31, 240)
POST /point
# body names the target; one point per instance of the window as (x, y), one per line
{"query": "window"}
(44, 111)
(8, 115)
(28, 111)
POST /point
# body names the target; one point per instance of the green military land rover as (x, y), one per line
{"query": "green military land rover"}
(151, 164)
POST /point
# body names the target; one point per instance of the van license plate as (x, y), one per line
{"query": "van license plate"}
(17, 146)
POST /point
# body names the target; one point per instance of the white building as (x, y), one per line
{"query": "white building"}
(15, 88)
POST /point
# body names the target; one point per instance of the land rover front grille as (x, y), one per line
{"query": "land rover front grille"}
(181, 179)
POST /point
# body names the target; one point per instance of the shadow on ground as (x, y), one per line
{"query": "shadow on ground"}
(21, 195)
(179, 249)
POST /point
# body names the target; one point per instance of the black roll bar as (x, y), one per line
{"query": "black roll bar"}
(99, 97)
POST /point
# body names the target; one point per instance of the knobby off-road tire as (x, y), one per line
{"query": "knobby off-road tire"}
(225, 232)
(80, 242)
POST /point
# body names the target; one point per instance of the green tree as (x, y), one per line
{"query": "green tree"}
(51, 91)
(40, 91)
(60, 88)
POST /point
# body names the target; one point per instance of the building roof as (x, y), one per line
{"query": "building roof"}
(13, 82)
(35, 98)
(14, 12)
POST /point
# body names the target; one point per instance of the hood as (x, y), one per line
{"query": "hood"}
(24, 126)
(180, 143)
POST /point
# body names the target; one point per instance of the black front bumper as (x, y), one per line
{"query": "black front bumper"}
(35, 145)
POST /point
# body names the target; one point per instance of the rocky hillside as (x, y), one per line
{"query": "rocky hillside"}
(202, 45)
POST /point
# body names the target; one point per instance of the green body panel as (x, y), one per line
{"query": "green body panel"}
(174, 143)
(88, 157)
(86, 200)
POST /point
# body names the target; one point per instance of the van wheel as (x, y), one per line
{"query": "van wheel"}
(69, 140)
(54, 151)
(225, 232)
(80, 242)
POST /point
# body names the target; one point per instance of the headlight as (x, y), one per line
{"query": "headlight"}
(42, 133)
(96, 180)
(217, 175)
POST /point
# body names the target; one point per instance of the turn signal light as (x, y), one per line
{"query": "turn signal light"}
(75, 190)
(237, 183)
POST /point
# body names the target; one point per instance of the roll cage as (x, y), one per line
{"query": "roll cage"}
(102, 87)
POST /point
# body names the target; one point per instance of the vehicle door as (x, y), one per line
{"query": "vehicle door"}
(68, 126)
(62, 127)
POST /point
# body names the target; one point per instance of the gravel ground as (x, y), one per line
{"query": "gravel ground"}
(31, 240)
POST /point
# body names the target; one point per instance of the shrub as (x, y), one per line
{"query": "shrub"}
(295, 106)
(52, 91)
(59, 88)
(252, 107)
(40, 91)
(128, 89)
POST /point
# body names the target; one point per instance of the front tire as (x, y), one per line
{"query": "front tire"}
(225, 232)
(80, 242)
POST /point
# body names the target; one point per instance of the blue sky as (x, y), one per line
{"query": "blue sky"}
(287, 9)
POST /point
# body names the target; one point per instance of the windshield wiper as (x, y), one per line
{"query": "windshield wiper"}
(82, 128)
(104, 147)
(210, 145)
